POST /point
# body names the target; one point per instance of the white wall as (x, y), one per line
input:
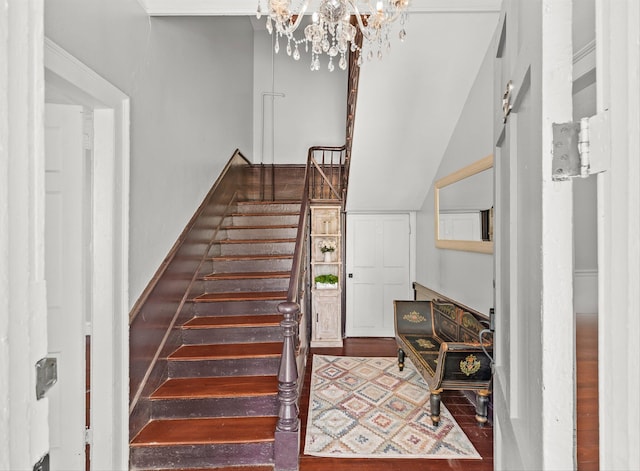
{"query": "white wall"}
(468, 276)
(464, 276)
(190, 83)
(585, 230)
(408, 106)
(312, 112)
(584, 193)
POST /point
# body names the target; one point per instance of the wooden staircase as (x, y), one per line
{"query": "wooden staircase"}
(218, 406)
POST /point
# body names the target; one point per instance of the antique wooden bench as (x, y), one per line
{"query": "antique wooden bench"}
(443, 340)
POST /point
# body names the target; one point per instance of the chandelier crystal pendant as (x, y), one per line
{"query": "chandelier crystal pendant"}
(331, 31)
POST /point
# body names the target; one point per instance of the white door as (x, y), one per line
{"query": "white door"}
(378, 271)
(534, 370)
(64, 272)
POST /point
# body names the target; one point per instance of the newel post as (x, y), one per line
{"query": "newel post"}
(287, 436)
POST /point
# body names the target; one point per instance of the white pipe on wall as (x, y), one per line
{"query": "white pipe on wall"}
(272, 95)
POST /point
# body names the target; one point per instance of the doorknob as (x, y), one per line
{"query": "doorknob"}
(350, 275)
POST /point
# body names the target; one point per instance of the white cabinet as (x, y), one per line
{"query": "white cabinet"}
(326, 273)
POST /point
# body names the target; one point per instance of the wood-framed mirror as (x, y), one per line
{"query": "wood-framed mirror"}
(464, 208)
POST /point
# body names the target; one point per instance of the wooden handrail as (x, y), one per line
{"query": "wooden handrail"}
(352, 98)
(155, 313)
(298, 254)
(236, 159)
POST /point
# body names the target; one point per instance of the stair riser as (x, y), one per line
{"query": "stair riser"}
(252, 284)
(248, 208)
(200, 456)
(240, 266)
(227, 367)
(232, 335)
(258, 248)
(219, 407)
(262, 219)
(232, 308)
(258, 233)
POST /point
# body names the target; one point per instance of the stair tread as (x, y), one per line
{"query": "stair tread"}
(203, 431)
(242, 296)
(253, 257)
(273, 213)
(262, 226)
(264, 320)
(217, 387)
(240, 203)
(257, 241)
(247, 275)
(227, 351)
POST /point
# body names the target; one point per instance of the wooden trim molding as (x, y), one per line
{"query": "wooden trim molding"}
(459, 175)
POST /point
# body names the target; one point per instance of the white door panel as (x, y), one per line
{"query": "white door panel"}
(65, 281)
(378, 264)
(367, 314)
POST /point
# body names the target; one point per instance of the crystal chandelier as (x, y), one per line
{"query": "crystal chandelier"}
(331, 31)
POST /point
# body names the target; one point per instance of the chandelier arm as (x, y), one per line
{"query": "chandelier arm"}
(365, 31)
(294, 27)
(397, 12)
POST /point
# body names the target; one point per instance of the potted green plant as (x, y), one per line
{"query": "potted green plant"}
(326, 281)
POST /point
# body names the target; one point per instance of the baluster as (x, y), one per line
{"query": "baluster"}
(288, 427)
(288, 374)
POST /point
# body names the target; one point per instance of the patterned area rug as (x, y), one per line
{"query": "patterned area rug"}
(367, 408)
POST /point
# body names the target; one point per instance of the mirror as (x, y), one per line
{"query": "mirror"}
(464, 208)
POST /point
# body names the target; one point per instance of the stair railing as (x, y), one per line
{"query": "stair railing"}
(324, 181)
(326, 167)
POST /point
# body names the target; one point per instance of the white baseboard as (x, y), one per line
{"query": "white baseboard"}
(585, 291)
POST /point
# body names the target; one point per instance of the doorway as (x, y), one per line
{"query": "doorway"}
(585, 245)
(104, 263)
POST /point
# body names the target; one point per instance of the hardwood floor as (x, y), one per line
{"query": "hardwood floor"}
(456, 402)
(464, 411)
(587, 392)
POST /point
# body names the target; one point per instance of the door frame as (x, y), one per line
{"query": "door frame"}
(110, 245)
(541, 303)
(23, 327)
(617, 84)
